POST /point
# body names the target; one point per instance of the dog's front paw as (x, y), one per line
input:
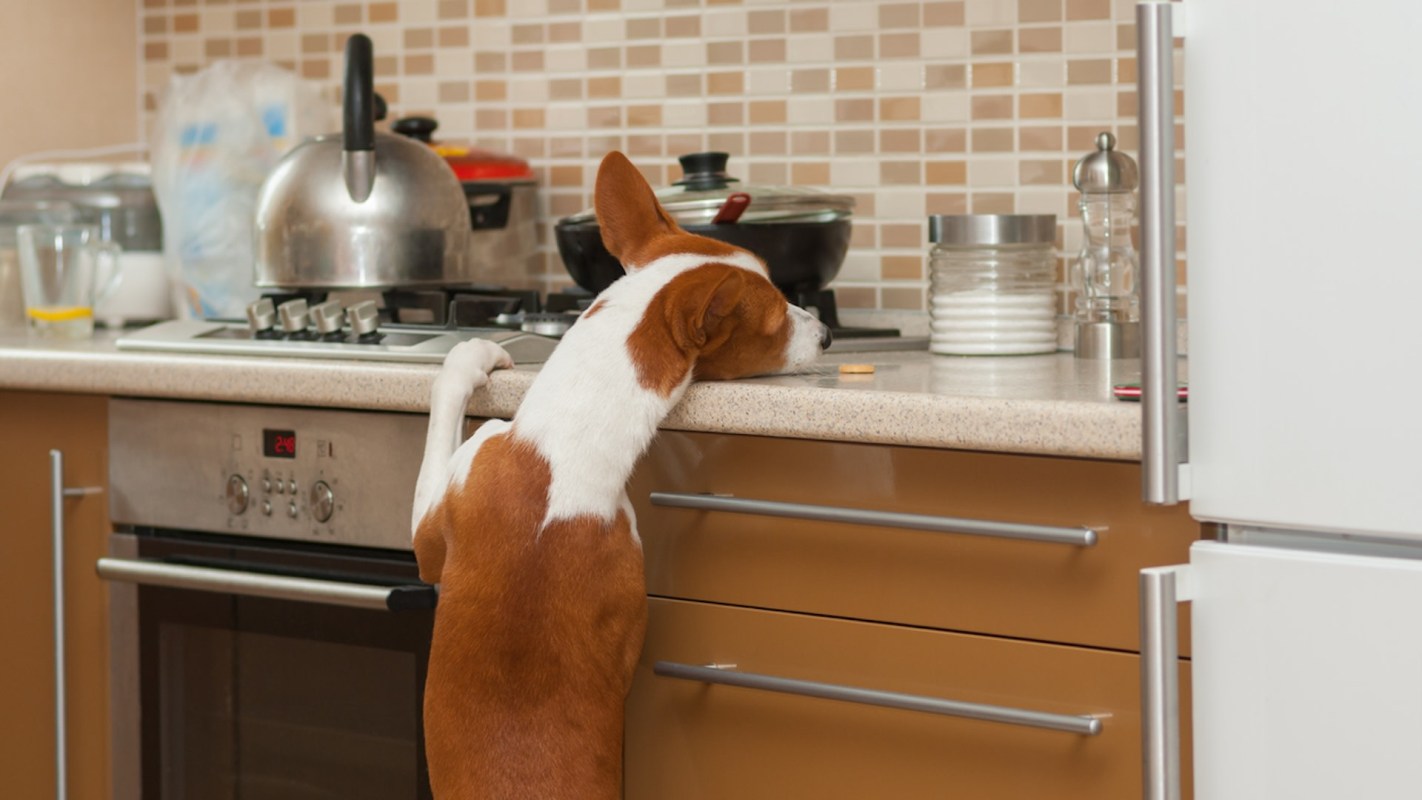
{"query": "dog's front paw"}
(469, 363)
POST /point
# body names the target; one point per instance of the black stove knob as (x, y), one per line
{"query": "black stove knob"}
(327, 318)
(262, 317)
(293, 314)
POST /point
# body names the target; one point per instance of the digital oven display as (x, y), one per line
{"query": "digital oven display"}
(278, 444)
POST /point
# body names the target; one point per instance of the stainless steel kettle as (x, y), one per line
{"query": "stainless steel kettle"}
(362, 210)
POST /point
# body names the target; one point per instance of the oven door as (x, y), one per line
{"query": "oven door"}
(266, 669)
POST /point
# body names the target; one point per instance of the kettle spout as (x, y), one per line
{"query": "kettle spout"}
(358, 166)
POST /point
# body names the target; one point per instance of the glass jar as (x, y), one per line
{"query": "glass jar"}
(992, 284)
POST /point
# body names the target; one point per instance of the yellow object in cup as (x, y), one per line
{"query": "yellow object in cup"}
(59, 313)
(63, 269)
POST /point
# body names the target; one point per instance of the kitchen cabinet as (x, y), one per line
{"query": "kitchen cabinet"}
(692, 741)
(32, 424)
(846, 569)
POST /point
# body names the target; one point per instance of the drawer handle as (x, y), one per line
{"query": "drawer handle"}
(1080, 537)
(1084, 724)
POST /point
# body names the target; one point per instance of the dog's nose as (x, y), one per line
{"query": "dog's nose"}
(825, 336)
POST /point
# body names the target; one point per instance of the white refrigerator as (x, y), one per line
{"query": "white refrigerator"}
(1303, 199)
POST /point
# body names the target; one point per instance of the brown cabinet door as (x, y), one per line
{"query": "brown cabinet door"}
(693, 741)
(1044, 591)
(32, 424)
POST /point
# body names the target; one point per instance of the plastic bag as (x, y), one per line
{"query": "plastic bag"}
(217, 134)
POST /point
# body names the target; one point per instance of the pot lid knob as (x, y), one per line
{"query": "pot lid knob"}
(1106, 170)
(420, 128)
(701, 171)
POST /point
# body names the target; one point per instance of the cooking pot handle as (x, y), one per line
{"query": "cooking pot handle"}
(488, 206)
(358, 118)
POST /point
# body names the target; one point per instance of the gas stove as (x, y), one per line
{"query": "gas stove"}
(423, 325)
(406, 326)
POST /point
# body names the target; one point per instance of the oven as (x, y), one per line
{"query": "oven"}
(270, 631)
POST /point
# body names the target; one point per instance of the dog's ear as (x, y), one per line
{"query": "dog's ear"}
(627, 211)
(712, 294)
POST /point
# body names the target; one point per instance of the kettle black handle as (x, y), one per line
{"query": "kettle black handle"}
(358, 106)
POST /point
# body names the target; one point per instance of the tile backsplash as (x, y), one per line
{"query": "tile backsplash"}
(913, 108)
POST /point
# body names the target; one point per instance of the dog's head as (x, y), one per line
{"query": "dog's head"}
(721, 312)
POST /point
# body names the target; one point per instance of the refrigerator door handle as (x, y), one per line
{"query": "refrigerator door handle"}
(1160, 418)
(1162, 588)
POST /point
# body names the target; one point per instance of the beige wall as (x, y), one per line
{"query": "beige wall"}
(914, 107)
(69, 69)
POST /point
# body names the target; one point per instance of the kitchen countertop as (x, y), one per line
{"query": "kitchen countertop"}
(1050, 404)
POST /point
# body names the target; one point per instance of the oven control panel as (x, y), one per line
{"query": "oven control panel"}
(321, 475)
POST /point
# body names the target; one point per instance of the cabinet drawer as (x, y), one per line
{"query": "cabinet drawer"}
(698, 741)
(876, 570)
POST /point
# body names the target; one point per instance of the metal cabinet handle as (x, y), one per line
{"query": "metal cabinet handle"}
(257, 584)
(57, 493)
(1160, 685)
(1160, 408)
(1084, 724)
(1080, 537)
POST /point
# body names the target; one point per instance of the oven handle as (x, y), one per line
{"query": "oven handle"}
(279, 587)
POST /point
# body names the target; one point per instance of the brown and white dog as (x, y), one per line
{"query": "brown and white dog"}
(527, 526)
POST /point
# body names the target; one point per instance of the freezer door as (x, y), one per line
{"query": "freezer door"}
(1304, 206)
(1306, 674)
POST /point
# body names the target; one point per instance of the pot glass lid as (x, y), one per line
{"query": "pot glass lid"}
(705, 186)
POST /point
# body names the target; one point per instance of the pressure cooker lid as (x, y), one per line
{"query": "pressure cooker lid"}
(468, 163)
(705, 185)
(96, 185)
(473, 164)
(14, 213)
(117, 197)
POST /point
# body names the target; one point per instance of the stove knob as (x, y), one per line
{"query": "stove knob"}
(363, 318)
(293, 315)
(237, 494)
(546, 324)
(261, 315)
(267, 507)
(323, 501)
(327, 317)
(291, 511)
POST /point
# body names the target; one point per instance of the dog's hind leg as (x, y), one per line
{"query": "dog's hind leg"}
(465, 369)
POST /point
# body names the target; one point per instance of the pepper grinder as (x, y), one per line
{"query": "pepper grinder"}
(1103, 278)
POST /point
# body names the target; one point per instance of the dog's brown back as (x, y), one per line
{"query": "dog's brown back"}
(522, 700)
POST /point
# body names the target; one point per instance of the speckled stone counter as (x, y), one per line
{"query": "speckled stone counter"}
(1054, 404)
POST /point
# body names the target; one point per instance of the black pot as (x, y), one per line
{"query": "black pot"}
(803, 257)
(802, 234)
